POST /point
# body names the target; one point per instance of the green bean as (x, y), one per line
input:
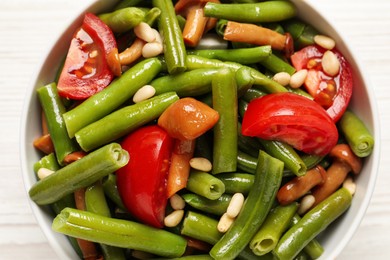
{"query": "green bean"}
(221, 26)
(53, 110)
(192, 257)
(152, 16)
(111, 190)
(203, 147)
(224, 89)
(201, 227)
(48, 161)
(123, 121)
(357, 134)
(286, 154)
(237, 182)
(253, 93)
(247, 254)
(205, 184)
(174, 48)
(123, 20)
(299, 91)
(95, 202)
(190, 83)
(216, 207)
(246, 163)
(276, 223)
(110, 98)
(311, 160)
(312, 223)
(244, 80)
(243, 56)
(182, 21)
(126, 3)
(302, 33)
(258, 203)
(276, 64)
(79, 174)
(119, 233)
(269, 11)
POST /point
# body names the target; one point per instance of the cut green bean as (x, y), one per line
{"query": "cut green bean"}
(357, 134)
(253, 93)
(79, 174)
(201, 227)
(119, 233)
(152, 16)
(247, 144)
(205, 184)
(276, 223)
(257, 205)
(243, 56)
(48, 161)
(246, 163)
(312, 223)
(110, 98)
(54, 110)
(123, 121)
(174, 48)
(268, 11)
(111, 190)
(302, 33)
(216, 207)
(237, 182)
(224, 89)
(276, 64)
(123, 20)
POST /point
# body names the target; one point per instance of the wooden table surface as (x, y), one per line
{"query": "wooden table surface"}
(28, 27)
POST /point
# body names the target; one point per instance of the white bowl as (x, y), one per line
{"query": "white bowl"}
(334, 239)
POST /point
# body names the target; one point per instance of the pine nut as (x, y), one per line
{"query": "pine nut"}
(145, 32)
(44, 172)
(235, 205)
(177, 202)
(224, 223)
(330, 63)
(201, 164)
(306, 203)
(283, 78)
(157, 35)
(350, 185)
(152, 49)
(298, 78)
(173, 219)
(144, 93)
(324, 41)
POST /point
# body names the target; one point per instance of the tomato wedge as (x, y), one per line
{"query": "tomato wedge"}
(292, 119)
(331, 92)
(142, 182)
(91, 60)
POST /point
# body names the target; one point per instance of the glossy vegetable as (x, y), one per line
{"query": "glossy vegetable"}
(87, 68)
(331, 92)
(293, 119)
(142, 182)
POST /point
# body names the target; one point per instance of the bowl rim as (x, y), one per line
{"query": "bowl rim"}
(56, 240)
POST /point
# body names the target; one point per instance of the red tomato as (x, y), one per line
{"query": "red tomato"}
(87, 68)
(142, 182)
(333, 93)
(292, 119)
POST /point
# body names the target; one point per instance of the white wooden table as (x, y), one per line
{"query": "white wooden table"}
(28, 27)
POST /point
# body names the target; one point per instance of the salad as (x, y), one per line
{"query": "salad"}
(198, 129)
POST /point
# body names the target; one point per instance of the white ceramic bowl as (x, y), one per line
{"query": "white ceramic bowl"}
(334, 239)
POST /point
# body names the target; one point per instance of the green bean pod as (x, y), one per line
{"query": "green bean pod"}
(268, 11)
(276, 64)
(312, 223)
(190, 83)
(201, 227)
(118, 233)
(111, 190)
(217, 207)
(302, 33)
(53, 110)
(79, 174)
(237, 182)
(124, 19)
(253, 93)
(224, 89)
(356, 133)
(257, 205)
(246, 162)
(110, 98)
(205, 184)
(123, 121)
(174, 48)
(243, 56)
(48, 161)
(276, 223)
(95, 202)
(152, 16)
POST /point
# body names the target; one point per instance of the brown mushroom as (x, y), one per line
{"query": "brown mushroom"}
(344, 161)
(300, 185)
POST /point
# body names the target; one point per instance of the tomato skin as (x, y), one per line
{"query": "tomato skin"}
(331, 92)
(87, 69)
(293, 119)
(142, 182)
